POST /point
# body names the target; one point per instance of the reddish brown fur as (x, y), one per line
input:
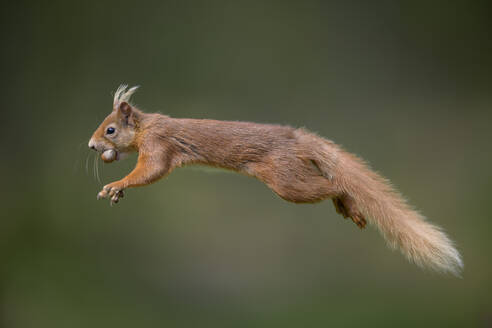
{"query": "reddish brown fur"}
(280, 156)
(299, 166)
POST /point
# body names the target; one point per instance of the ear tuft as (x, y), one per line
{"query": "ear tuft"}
(125, 108)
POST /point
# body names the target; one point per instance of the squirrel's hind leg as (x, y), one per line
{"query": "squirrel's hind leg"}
(292, 188)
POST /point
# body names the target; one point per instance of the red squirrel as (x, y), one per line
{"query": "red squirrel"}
(298, 165)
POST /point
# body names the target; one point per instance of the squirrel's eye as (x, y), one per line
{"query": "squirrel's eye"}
(110, 130)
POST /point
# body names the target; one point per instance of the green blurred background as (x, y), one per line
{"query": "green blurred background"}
(406, 85)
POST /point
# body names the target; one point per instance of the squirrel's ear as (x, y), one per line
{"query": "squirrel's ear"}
(125, 109)
(126, 113)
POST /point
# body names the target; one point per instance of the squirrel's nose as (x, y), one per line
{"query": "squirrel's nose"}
(91, 144)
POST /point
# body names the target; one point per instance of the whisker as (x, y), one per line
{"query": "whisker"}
(94, 167)
(87, 163)
(97, 170)
(78, 162)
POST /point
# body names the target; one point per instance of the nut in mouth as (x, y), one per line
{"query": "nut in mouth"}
(109, 155)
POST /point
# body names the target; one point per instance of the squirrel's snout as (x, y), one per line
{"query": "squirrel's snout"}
(92, 144)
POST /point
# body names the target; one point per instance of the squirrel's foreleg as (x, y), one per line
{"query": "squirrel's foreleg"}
(150, 168)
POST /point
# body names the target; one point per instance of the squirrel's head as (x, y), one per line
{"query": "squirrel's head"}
(115, 137)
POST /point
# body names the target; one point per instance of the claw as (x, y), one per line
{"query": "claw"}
(115, 197)
(359, 221)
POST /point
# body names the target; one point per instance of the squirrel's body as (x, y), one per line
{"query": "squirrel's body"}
(298, 165)
(280, 156)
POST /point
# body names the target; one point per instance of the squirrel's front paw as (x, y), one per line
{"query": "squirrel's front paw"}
(113, 192)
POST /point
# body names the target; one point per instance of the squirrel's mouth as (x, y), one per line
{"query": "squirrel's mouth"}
(109, 155)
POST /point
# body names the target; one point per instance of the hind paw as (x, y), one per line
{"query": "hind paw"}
(359, 220)
(339, 207)
(345, 206)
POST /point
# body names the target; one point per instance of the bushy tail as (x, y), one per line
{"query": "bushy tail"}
(402, 227)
